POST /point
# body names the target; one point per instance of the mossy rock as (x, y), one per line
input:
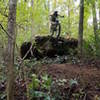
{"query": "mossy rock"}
(49, 46)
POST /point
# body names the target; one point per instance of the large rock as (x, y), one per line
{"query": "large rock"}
(49, 46)
(28, 53)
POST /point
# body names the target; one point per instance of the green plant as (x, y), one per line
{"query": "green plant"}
(40, 88)
(57, 89)
(80, 95)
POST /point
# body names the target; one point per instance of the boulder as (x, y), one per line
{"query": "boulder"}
(50, 47)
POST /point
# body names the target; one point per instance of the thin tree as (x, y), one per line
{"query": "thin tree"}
(69, 25)
(80, 33)
(99, 13)
(95, 26)
(99, 18)
(32, 20)
(10, 49)
(94, 19)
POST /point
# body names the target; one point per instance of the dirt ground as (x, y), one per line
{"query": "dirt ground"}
(87, 74)
(88, 77)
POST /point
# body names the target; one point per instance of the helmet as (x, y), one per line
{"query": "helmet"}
(55, 12)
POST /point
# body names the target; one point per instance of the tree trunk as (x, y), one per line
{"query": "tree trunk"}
(10, 49)
(99, 13)
(81, 20)
(99, 18)
(95, 26)
(69, 18)
(94, 20)
(32, 20)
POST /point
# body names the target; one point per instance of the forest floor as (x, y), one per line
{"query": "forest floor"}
(87, 76)
(86, 73)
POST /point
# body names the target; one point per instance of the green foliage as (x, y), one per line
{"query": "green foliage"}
(35, 82)
(40, 88)
(33, 19)
(45, 88)
(79, 95)
(46, 82)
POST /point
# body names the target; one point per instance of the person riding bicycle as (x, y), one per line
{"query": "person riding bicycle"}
(54, 23)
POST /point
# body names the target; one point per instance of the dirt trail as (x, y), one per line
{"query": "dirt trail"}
(84, 74)
(87, 77)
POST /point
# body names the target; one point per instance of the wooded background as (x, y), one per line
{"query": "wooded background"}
(22, 20)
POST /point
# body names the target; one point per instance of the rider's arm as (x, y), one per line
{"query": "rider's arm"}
(60, 16)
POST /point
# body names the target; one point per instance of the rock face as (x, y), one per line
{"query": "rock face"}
(49, 46)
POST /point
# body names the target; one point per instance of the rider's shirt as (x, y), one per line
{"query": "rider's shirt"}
(53, 18)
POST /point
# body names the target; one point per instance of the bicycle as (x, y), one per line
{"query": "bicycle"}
(55, 27)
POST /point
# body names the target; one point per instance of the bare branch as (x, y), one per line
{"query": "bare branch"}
(22, 59)
(5, 31)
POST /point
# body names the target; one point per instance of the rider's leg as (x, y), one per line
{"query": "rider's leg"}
(52, 33)
(51, 30)
(58, 30)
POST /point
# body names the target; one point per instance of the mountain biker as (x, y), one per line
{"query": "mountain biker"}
(54, 22)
